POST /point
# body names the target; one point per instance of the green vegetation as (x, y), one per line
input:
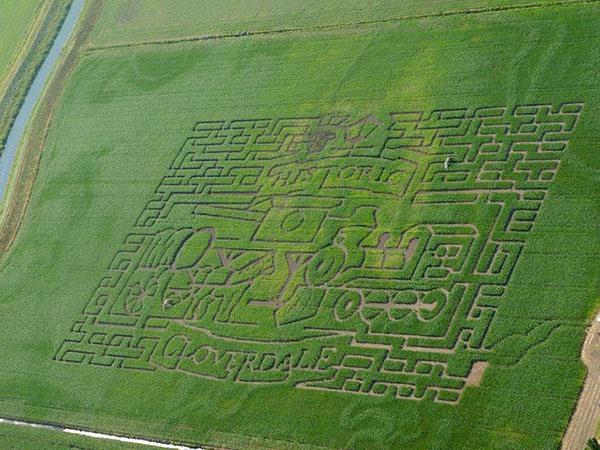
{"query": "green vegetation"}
(133, 22)
(593, 444)
(194, 266)
(18, 82)
(15, 18)
(20, 438)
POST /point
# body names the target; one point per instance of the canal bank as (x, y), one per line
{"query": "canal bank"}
(21, 167)
(8, 157)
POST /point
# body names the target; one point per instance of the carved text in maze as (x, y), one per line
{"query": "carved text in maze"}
(358, 255)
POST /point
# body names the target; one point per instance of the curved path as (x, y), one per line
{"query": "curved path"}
(584, 421)
(33, 94)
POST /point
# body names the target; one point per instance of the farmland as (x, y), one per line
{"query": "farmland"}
(303, 229)
(15, 17)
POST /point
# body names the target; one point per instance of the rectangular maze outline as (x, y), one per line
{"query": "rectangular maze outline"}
(510, 155)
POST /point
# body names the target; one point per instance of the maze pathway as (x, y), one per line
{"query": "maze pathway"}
(364, 255)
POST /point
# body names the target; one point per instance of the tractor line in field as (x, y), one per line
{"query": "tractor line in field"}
(334, 26)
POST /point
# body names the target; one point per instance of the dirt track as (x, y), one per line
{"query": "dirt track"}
(585, 419)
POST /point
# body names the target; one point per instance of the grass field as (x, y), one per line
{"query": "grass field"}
(15, 18)
(133, 22)
(342, 237)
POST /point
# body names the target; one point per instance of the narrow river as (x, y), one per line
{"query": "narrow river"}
(7, 158)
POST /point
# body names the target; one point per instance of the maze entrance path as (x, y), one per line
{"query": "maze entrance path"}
(364, 255)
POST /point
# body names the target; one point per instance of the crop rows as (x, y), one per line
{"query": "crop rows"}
(365, 255)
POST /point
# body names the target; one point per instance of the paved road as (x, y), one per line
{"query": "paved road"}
(585, 420)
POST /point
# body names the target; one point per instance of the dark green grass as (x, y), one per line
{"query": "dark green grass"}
(122, 119)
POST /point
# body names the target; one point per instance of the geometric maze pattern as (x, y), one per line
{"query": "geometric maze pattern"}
(360, 255)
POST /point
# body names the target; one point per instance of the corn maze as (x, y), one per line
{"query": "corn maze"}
(364, 255)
